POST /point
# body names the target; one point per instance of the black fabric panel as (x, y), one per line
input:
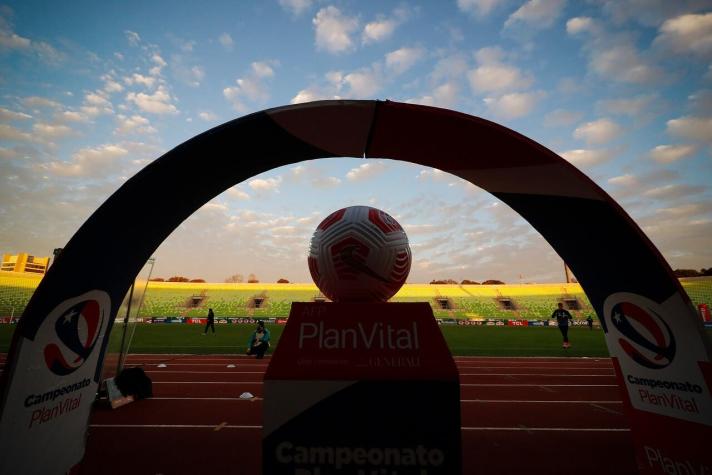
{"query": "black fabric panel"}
(604, 248)
(377, 414)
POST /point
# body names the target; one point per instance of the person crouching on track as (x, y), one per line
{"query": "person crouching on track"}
(562, 317)
(259, 341)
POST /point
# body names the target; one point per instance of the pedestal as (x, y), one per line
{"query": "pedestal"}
(363, 389)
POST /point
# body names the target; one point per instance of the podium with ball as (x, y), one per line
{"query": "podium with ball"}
(357, 385)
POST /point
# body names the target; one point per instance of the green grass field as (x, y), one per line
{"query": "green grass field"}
(469, 340)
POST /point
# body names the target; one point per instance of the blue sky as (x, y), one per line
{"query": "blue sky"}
(90, 92)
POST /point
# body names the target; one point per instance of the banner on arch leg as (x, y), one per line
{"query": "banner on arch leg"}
(55, 403)
(666, 381)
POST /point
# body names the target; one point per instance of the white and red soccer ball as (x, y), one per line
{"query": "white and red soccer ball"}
(359, 254)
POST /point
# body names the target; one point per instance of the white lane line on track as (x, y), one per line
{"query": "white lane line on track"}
(549, 429)
(212, 427)
(537, 359)
(545, 385)
(541, 374)
(207, 372)
(605, 409)
(475, 401)
(178, 363)
(461, 384)
(608, 368)
(207, 382)
(517, 401)
(461, 374)
(169, 426)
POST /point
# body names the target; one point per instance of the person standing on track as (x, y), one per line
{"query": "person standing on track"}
(211, 322)
(259, 341)
(589, 321)
(562, 317)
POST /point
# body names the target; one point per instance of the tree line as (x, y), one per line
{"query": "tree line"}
(466, 282)
(693, 273)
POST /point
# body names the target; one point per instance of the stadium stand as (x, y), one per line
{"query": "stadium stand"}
(260, 300)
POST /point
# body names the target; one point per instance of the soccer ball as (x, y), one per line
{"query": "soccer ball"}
(359, 254)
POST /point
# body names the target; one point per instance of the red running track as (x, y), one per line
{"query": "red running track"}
(519, 416)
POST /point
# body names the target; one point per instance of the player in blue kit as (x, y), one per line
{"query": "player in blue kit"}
(562, 317)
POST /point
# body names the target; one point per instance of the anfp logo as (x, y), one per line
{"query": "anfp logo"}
(647, 339)
(77, 330)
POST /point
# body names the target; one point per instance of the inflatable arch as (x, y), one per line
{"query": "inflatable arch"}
(652, 330)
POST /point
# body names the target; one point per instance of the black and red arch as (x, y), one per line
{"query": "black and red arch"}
(612, 258)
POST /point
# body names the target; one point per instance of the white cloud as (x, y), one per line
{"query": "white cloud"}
(296, 7)
(252, 87)
(50, 131)
(435, 175)
(401, 60)
(622, 62)
(36, 101)
(11, 41)
(577, 25)
(443, 95)
(536, 13)
(624, 180)
(265, 184)
(160, 102)
(94, 99)
(238, 193)
(614, 57)
(586, 158)
(159, 62)
(262, 69)
(687, 34)
(309, 95)
(133, 38)
(13, 134)
(325, 181)
(673, 191)
(514, 104)
(207, 116)
(87, 162)
(701, 101)
(110, 84)
(492, 75)
(366, 171)
(135, 124)
(598, 132)
(650, 12)
(480, 8)
(693, 128)
(71, 116)
(631, 106)
(189, 75)
(8, 154)
(379, 30)
(452, 67)
(7, 115)
(334, 30)
(364, 84)
(226, 41)
(561, 118)
(671, 153)
(135, 78)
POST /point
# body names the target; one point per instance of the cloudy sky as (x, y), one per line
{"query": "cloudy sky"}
(90, 92)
